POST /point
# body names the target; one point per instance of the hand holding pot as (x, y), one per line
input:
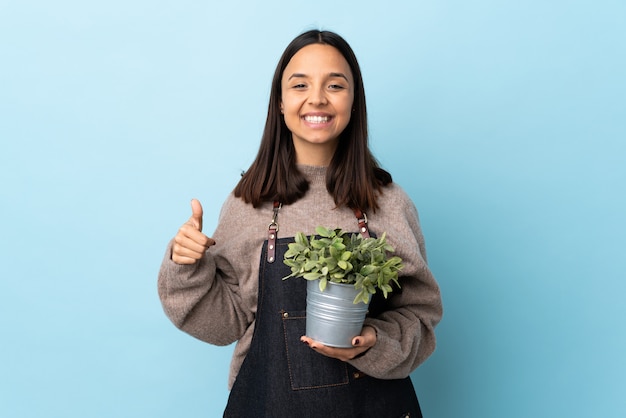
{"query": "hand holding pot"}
(360, 344)
(190, 243)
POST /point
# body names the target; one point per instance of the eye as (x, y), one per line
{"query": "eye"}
(336, 87)
(299, 86)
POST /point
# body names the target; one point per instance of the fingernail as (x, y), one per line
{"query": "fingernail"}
(357, 341)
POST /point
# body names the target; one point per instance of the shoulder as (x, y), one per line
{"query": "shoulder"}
(234, 205)
(394, 191)
(235, 209)
(238, 217)
(394, 200)
(398, 217)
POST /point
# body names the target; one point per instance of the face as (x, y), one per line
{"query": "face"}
(317, 97)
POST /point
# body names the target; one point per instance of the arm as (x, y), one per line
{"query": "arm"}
(400, 338)
(198, 288)
(405, 335)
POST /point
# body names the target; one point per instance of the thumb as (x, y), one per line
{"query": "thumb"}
(196, 214)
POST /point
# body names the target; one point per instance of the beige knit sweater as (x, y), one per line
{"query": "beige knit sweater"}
(215, 299)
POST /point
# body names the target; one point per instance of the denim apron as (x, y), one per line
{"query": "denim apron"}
(281, 377)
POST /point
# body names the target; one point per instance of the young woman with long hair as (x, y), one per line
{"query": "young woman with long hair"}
(314, 167)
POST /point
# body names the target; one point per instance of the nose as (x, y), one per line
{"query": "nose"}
(318, 97)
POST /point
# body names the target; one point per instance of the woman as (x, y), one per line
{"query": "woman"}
(313, 168)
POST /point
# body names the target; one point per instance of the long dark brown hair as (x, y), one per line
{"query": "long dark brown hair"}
(354, 177)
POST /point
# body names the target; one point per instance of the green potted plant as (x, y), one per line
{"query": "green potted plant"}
(343, 272)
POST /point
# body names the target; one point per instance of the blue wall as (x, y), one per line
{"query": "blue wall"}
(505, 121)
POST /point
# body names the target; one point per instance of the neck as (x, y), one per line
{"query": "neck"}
(319, 155)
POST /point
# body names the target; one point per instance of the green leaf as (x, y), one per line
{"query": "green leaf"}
(367, 270)
(312, 276)
(318, 244)
(323, 232)
(301, 239)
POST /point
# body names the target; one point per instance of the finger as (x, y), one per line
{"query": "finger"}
(183, 260)
(186, 252)
(366, 339)
(188, 235)
(189, 245)
(196, 214)
(318, 346)
(343, 354)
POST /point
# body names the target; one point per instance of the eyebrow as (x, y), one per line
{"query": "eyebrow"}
(331, 75)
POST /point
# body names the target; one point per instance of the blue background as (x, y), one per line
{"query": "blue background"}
(505, 122)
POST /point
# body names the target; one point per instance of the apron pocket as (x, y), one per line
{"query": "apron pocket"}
(307, 368)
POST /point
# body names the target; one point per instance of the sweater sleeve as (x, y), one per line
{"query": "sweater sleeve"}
(405, 329)
(205, 299)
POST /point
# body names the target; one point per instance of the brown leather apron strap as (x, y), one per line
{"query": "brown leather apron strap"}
(272, 233)
(362, 220)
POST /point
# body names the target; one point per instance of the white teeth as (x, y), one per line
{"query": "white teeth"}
(316, 119)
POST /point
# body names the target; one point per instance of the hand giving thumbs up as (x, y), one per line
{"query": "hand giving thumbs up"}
(190, 243)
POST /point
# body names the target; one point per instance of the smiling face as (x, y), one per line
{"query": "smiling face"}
(317, 96)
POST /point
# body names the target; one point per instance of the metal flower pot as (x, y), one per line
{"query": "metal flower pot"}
(331, 316)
